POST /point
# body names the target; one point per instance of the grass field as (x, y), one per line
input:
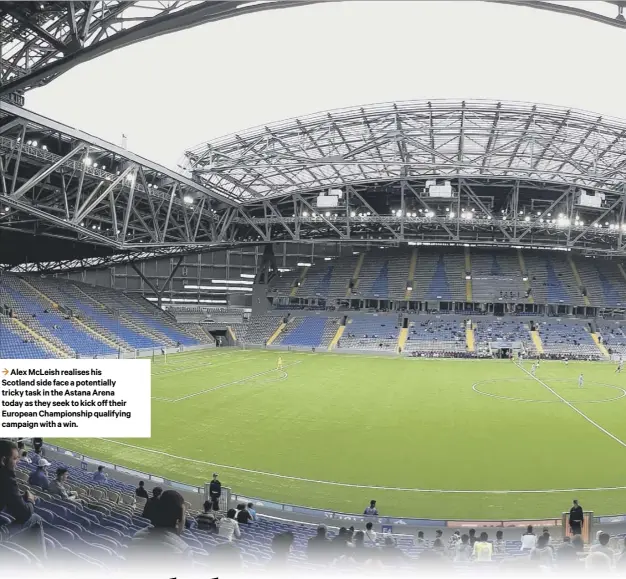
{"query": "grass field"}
(417, 430)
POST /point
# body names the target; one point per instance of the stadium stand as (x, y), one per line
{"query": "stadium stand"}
(376, 332)
(435, 335)
(97, 531)
(567, 340)
(311, 332)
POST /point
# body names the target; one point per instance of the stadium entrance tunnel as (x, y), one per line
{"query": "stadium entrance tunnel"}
(530, 391)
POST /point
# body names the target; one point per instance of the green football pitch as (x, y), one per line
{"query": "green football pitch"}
(425, 438)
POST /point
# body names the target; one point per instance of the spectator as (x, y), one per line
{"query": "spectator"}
(483, 549)
(371, 511)
(36, 457)
(206, 520)
(463, 549)
(603, 546)
(340, 542)
(161, 544)
(228, 527)
(359, 553)
(58, 486)
(318, 547)
(151, 504)
(243, 516)
(38, 445)
(529, 539)
(390, 553)
(599, 562)
(140, 491)
(215, 492)
(420, 541)
(542, 553)
(252, 511)
(576, 518)
(28, 526)
(39, 477)
(24, 457)
(566, 554)
(281, 546)
(438, 545)
(472, 537)
(578, 544)
(370, 535)
(99, 475)
(453, 540)
(499, 545)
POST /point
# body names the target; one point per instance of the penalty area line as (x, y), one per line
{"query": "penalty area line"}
(580, 412)
(357, 486)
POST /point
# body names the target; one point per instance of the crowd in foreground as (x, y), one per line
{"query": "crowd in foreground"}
(164, 532)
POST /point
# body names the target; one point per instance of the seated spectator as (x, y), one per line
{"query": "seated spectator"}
(529, 539)
(542, 553)
(603, 545)
(252, 511)
(281, 547)
(228, 527)
(206, 520)
(483, 549)
(99, 475)
(390, 553)
(161, 544)
(39, 476)
(24, 457)
(150, 506)
(598, 562)
(499, 545)
(243, 516)
(420, 541)
(472, 537)
(318, 547)
(370, 535)
(578, 544)
(359, 552)
(140, 491)
(36, 457)
(27, 528)
(566, 554)
(58, 486)
(463, 550)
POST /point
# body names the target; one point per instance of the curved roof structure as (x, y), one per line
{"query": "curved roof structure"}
(385, 142)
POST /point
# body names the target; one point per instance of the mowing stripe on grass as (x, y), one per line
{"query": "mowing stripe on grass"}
(234, 382)
(592, 422)
(357, 486)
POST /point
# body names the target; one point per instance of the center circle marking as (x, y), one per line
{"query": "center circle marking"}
(513, 399)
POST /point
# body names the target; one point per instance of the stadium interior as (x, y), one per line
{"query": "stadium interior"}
(485, 231)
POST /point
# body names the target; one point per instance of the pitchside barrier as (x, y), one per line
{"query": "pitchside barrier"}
(389, 524)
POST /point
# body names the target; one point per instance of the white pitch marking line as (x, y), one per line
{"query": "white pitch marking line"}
(232, 383)
(592, 422)
(371, 487)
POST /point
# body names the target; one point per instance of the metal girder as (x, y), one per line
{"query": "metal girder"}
(43, 40)
(433, 139)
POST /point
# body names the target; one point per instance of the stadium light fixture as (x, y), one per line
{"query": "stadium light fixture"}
(305, 214)
(327, 258)
(409, 288)
(525, 278)
(231, 281)
(452, 215)
(527, 218)
(188, 199)
(34, 143)
(468, 277)
(284, 269)
(352, 213)
(304, 264)
(248, 275)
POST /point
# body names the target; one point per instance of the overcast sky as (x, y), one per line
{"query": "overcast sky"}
(178, 90)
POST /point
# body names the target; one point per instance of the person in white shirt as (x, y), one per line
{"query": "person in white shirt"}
(370, 535)
(529, 539)
(533, 369)
(581, 380)
(228, 526)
